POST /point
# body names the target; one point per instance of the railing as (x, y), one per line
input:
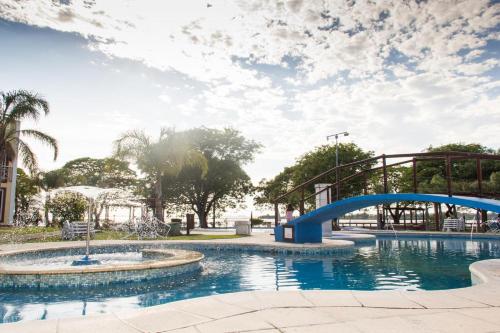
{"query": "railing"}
(5, 174)
(379, 163)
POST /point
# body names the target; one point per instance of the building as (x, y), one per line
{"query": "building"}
(8, 174)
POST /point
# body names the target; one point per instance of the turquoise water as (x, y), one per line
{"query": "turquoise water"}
(406, 263)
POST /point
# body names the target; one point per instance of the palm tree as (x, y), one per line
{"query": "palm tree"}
(16, 106)
(48, 181)
(156, 159)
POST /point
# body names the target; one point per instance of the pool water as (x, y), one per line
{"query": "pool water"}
(405, 263)
(123, 258)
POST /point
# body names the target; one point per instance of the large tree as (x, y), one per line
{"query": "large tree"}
(105, 173)
(225, 184)
(431, 175)
(17, 106)
(165, 156)
(312, 164)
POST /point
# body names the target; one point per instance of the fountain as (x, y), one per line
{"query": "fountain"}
(53, 267)
(91, 193)
(73, 266)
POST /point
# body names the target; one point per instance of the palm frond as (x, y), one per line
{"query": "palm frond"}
(27, 156)
(23, 104)
(43, 138)
(131, 144)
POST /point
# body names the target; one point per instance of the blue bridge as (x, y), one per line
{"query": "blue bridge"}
(307, 228)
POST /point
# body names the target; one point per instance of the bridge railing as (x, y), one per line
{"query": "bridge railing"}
(381, 164)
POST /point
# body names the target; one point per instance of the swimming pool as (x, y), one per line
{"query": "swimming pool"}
(389, 263)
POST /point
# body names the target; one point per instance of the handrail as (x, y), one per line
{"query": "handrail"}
(298, 187)
(436, 155)
(447, 156)
(362, 172)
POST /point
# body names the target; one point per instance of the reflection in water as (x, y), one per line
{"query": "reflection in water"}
(389, 264)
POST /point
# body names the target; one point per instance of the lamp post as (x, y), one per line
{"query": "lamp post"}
(336, 135)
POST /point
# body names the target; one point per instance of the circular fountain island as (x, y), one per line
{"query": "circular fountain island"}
(111, 264)
(96, 265)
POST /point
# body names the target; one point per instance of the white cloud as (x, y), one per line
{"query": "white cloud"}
(394, 73)
(165, 98)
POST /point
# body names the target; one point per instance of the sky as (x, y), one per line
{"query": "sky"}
(397, 75)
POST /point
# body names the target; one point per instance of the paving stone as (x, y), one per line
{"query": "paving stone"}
(385, 299)
(245, 300)
(482, 294)
(323, 328)
(387, 325)
(284, 317)
(490, 315)
(331, 298)
(158, 320)
(452, 321)
(245, 322)
(191, 329)
(282, 299)
(208, 307)
(31, 326)
(441, 300)
(103, 323)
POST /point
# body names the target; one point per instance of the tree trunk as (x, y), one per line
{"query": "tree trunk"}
(97, 225)
(202, 216)
(158, 196)
(396, 216)
(213, 217)
(46, 210)
(97, 216)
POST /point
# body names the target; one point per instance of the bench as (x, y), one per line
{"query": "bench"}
(449, 224)
(72, 230)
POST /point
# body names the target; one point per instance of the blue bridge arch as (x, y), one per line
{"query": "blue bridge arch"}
(307, 228)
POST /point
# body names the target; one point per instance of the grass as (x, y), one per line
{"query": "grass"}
(15, 235)
(108, 235)
(27, 230)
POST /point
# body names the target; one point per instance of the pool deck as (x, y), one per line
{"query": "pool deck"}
(259, 241)
(472, 309)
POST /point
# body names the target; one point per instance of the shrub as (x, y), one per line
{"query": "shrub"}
(256, 221)
(67, 207)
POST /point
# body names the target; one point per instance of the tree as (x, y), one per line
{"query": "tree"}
(48, 181)
(105, 173)
(225, 184)
(86, 171)
(312, 164)
(164, 157)
(16, 106)
(462, 170)
(68, 206)
(431, 175)
(26, 190)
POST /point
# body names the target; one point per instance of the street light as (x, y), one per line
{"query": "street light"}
(336, 135)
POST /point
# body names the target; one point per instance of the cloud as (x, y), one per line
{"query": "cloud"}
(389, 70)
